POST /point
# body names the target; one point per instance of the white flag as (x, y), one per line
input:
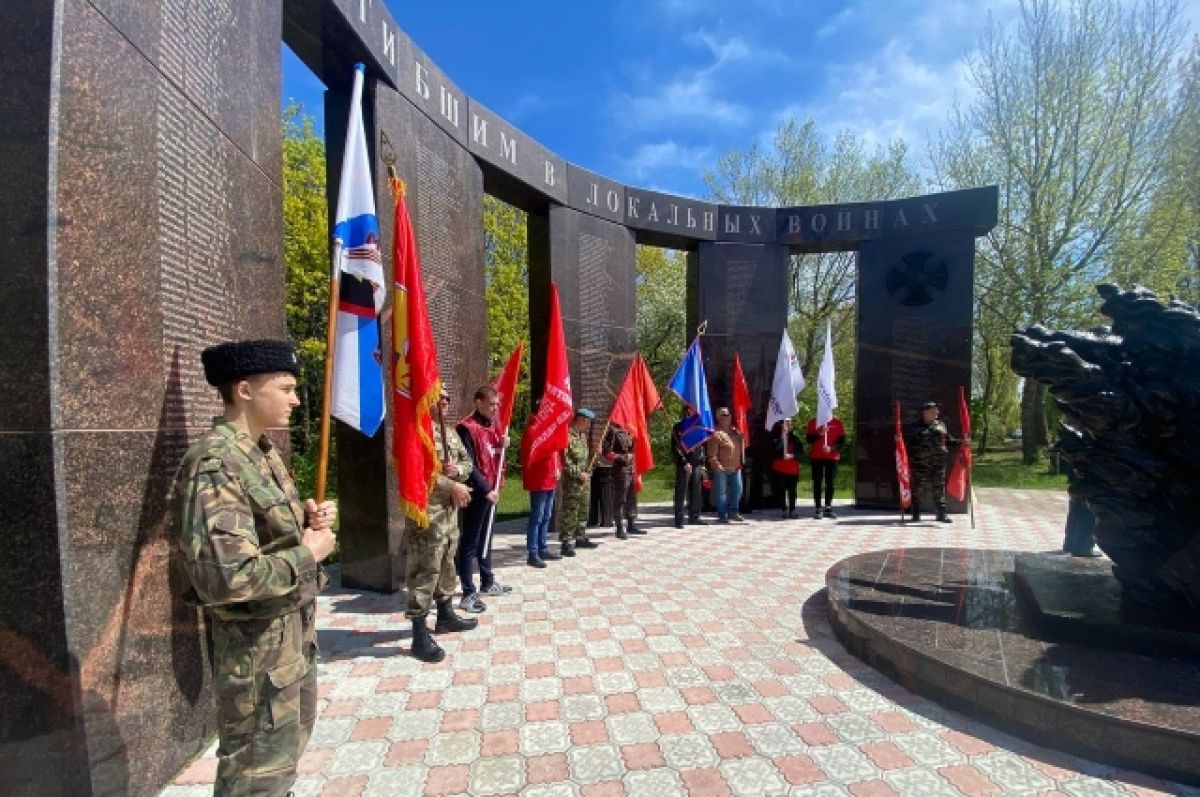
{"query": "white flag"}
(788, 382)
(826, 392)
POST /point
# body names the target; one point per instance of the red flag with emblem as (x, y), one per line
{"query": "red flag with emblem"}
(506, 385)
(416, 382)
(903, 475)
(741, 397)
(960, 469)
(636, 400)
(548, 430)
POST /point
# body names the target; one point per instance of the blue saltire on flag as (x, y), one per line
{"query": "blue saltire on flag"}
(690, 384)
(358, 387)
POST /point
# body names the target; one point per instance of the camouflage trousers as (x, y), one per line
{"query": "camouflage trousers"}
(931, 475)
(429, 573)
(573, 520)
(265, 688)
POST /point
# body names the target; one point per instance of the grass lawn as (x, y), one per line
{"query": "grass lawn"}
(1001, 467)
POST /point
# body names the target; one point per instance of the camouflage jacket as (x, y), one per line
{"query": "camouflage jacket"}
(575, 460)
(441, 507)
(235, 523)
(926, 442)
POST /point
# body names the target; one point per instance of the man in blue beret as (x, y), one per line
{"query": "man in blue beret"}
(572, 526)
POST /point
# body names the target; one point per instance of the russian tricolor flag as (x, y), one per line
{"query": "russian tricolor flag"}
(358, 389)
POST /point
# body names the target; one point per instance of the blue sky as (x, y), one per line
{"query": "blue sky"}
(651, 92)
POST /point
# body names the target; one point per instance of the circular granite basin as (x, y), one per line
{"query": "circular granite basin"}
(946, 623)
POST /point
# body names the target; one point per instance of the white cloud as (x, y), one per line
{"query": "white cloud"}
(650, 160)
(695, 95)
(527, 104)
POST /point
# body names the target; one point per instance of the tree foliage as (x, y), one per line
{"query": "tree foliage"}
(1074, 118)
(306, 255)
(802, 168)
(506, 291)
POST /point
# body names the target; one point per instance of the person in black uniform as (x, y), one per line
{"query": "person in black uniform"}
(688, 465)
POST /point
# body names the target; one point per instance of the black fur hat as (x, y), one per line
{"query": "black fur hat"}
(229, 362)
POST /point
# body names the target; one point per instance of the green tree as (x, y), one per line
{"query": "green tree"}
(662, 335)
(1074, 114)
(802, 168)
(1162, 251)
(306, 255)
(506, 291)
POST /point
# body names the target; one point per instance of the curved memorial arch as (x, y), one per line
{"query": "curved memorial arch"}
(915, 262)
(144, 175)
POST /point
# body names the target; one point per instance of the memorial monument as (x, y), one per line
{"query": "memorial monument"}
(1130, 394)
(142, 165)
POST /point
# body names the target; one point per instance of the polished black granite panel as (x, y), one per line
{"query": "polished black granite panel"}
(745, 224)
(915, 299)
(445, 205)
(26, 61)
(41, 751)
(527, 173)
(593, 263)
(1079, 600)
(741, 292)
(669, 220)
(949, 623)
(595, 194)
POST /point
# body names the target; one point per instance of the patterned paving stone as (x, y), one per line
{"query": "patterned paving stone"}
(596, 677)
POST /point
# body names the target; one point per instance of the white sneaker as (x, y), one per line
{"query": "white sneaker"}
(472, 603)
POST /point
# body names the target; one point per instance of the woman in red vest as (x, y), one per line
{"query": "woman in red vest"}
(785, 469)
(825, 449)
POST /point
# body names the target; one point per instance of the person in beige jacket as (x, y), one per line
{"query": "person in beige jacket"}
(726, 451)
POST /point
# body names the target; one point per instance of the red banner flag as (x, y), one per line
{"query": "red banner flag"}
(547, 433)
(903, 476)
(636, 400)
(506, 385)
(416, 383)
(960, 469)
(741, 397)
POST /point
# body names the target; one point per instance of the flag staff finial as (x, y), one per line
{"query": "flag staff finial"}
(700, 330)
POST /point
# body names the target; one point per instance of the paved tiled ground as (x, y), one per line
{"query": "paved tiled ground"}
(685, 662)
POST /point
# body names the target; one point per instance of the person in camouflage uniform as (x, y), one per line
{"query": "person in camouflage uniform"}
(431, 575)
(618, 449)
(249, 552)
(926, 439)
(572, 526)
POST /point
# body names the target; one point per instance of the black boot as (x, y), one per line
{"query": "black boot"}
(423, 646)
(621, 535)
(941, 515)
(568, 549)
(448, 622)
(634, 529)
(584, 542)
(916, 510)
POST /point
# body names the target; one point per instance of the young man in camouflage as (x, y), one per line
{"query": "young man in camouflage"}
(431, 575)
(926, 439)
(250, 553)
(573, 523)
(618, 450)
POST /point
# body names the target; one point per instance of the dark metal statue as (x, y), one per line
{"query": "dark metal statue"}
(1130, 396)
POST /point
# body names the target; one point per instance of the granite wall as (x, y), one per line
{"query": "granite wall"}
(915, 304)
(593, 262)
(142, 150)
(741, 291)
(445, 203)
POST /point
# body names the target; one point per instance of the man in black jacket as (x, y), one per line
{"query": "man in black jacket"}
(687, 474)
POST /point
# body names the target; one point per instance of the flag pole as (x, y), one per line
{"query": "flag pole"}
(327, 396)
